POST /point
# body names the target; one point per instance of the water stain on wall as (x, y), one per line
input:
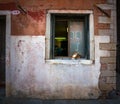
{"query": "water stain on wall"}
(38, 16)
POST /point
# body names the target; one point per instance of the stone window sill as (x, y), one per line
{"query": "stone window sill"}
(68, 61)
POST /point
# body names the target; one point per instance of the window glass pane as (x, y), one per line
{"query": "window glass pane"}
(76, 35)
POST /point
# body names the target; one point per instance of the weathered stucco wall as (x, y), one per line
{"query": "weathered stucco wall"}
(30, 75)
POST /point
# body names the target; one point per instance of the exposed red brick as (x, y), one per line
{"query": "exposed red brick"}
(103, 66)
(103, 26)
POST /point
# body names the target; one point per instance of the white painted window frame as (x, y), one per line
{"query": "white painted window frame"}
(48, 27)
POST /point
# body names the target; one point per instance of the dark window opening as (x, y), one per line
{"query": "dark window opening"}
(2, 54)
(61, 38)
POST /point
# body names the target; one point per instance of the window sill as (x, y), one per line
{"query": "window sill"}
(72, 61)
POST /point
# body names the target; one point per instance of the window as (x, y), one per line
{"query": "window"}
(69, 33)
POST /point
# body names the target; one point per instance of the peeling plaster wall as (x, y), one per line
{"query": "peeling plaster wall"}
(33, 77)
(28, 74)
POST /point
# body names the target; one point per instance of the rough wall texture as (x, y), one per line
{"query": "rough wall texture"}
(108, 64)
(32, 24)
(37, 78)
(62, 79)
(37, 8)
